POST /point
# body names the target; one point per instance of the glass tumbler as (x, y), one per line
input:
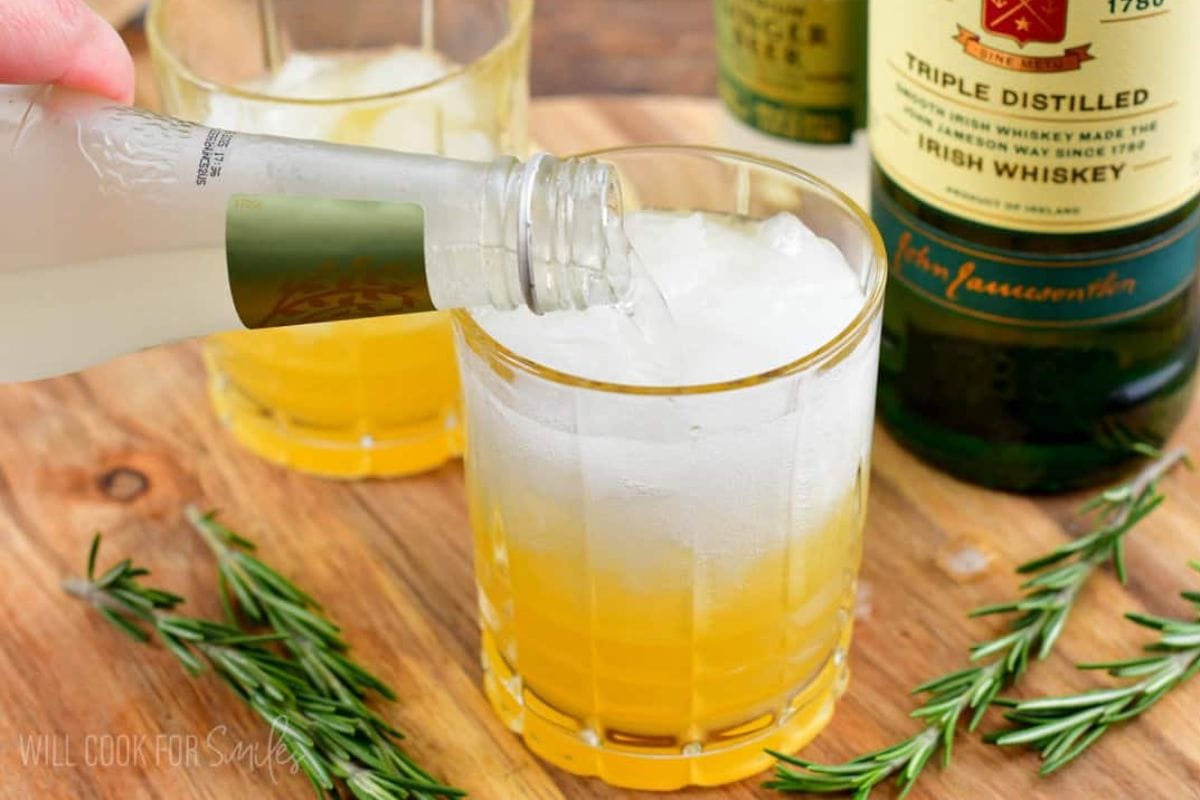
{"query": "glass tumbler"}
(362, 398)
(666, 574)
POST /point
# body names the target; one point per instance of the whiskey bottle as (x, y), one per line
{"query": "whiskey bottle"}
(1037, 183)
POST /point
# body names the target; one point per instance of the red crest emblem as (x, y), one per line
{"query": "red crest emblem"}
(1027, 20)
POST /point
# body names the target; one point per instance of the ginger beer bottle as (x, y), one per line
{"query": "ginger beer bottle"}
(121, 229)
(793, 77)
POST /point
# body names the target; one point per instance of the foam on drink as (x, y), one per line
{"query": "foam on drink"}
(744, 298)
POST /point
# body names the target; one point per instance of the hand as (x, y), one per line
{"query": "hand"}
(63, 42)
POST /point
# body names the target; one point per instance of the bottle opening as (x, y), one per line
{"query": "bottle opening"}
(572, 251)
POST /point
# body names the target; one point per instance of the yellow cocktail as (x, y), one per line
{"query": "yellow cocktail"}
(371, 397)
(670, 664)
(667, 568)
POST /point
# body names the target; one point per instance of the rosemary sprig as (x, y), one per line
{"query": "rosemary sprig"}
(1062, 728)
(1042, 612)
(333, 742)
(314, 642)
(267, 598)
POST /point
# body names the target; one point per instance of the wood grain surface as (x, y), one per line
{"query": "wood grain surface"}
(121, 448)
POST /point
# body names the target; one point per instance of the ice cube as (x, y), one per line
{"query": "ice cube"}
(787, 235)
(743, 300)
(400, 68)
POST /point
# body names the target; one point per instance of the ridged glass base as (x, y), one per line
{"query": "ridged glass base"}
(427, 449)
(337, 401)
(661, 763)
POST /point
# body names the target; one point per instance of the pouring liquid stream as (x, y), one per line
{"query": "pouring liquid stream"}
(645, 307)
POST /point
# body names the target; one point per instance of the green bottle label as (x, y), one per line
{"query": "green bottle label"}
(1032, 290)
(794, 68)
(295, 260)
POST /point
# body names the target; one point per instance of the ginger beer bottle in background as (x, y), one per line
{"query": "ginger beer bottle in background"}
(793, 77)
(1037, 179)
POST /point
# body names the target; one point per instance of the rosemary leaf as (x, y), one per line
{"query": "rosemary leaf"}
(311, 698)
(1063, 728)
(1050, 593)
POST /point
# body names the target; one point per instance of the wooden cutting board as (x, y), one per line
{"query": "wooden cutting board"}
(121, 448)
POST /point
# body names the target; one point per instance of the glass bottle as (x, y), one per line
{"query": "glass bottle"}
(1037, 185)
(793, 78)
(123, 229)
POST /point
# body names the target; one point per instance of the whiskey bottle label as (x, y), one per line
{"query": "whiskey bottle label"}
(293, 260)
(1031, 289)
(1052, 116)
(794, 68)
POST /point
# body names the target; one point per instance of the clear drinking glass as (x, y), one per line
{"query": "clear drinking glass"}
(363, 398)
(666, 574)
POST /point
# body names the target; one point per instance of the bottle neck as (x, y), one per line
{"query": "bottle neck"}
(571, 251)
(546, 235)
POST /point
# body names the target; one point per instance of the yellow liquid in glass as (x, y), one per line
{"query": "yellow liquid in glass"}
(375, 397)
(671, 670)
(341, 399)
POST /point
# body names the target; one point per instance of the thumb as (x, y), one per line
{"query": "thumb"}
(63, 42)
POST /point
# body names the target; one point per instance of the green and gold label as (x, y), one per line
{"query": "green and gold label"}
(294, 260)
(794, 68)
(1051, 116)
(1031, 289)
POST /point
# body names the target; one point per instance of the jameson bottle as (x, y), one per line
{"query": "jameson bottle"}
(120, 229)
(1037, 180)
(793, 76)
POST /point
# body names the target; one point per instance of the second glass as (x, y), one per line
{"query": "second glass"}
(374, 397)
